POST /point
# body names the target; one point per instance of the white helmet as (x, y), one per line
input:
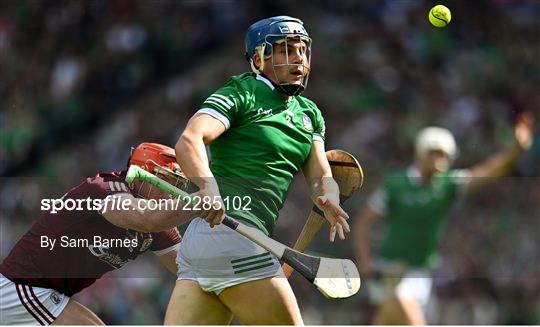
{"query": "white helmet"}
(436, 138)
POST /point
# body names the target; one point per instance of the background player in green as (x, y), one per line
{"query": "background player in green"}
(261, 132)
(415, 203)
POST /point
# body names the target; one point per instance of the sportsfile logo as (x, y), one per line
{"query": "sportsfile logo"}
(115, 202)
(55, 205)
(111, 202)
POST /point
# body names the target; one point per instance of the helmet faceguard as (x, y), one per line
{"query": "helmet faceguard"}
(159, 160)
(261, 38)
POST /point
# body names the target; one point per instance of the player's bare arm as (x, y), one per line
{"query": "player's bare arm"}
(362, 232)
(139, 215)
(325, 191)
(501, 163)
(169, 261)
(200, 131)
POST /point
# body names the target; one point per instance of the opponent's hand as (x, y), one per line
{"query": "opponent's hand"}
(335, 215)
(524, 131)
(210, 193)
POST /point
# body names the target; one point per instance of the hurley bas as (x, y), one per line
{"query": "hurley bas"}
(97, 241)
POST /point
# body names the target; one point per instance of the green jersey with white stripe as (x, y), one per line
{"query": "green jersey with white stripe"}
(268, 138)
(415, 214)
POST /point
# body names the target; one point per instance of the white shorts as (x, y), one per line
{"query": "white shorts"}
(218, 258)
(400, 281)
(27, 305)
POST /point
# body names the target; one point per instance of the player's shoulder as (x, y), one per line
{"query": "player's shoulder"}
(237, 89)
(308, 103)
(245, 81)
(397, 174)
(106, 177)
(457, 176)
(452, 173)
(396, 178)
(244, 78)
(103, 183)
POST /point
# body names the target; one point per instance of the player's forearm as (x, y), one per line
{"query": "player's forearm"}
(496, 166)
(364, 250)
(362, 237)
(169, 261)
(192, 158)
(162, 217)
(166, 218)
(324, 186)
(362, 243)
(144, 216)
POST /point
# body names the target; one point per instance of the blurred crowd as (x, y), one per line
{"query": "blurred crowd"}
(83, 81)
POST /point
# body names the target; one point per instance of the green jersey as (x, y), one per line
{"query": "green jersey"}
(415, 214)
(267, 139)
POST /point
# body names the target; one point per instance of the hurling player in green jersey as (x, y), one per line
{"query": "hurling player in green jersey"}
(260, 132)
(415, 203)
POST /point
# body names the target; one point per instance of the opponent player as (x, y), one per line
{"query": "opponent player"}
(415, 203)
(261, 132)
(36, 282)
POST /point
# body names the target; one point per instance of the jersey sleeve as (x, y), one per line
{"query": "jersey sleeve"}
(460, 179)
(319, 127)
(98, 188)
(224, 104)
(378, 201)
(165, 241)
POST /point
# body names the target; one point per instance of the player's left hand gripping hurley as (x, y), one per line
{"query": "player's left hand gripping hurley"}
(335, 278)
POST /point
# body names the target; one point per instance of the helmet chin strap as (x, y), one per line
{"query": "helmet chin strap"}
(287, 88)
(291, 89)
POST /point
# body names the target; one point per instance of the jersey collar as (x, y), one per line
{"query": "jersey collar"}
(265, 81)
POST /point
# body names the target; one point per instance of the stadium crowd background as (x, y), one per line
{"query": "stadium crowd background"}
(84, 81)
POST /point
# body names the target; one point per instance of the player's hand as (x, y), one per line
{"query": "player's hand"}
(335, 215)
(210, 198)
(524, 130)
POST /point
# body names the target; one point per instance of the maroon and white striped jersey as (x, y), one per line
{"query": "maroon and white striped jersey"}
(69, 269)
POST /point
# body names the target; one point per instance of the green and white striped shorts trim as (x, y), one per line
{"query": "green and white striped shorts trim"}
(253, 262)
(219, 257)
